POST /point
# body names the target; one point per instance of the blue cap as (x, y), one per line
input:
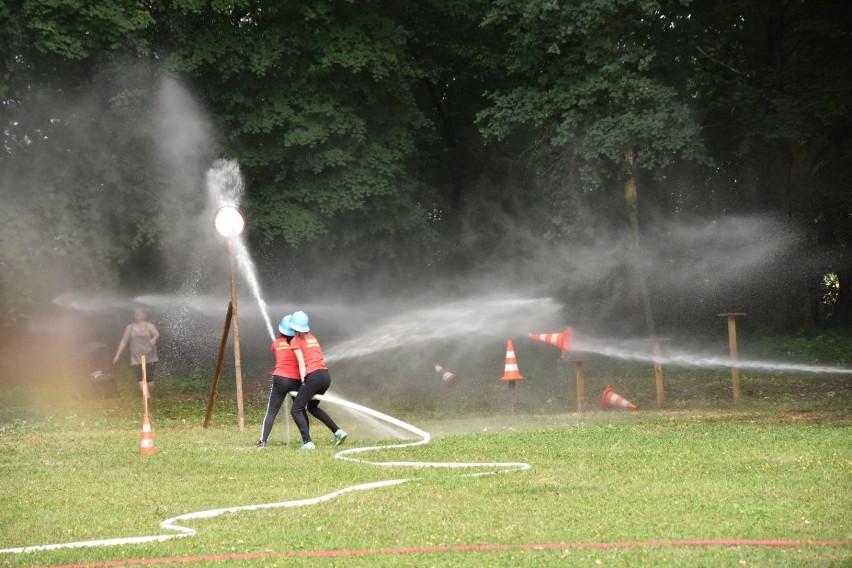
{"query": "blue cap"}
(299, 322)
(284, 326)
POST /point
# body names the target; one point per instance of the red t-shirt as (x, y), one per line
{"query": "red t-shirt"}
(286, 364)
(311, 351)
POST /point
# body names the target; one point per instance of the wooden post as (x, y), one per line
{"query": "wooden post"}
(658, 375)
(237, 365)
(219, 360)
(732, 345)
(581, 387)
(656, 350)
(144, 383)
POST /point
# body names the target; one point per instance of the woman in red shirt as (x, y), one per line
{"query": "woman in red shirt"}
(315, 380)
(285, 377)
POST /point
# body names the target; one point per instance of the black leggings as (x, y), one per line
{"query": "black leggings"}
(315, 383)
(149, 372)
(280, 387)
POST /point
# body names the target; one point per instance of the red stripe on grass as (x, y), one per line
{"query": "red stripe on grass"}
(457, 548)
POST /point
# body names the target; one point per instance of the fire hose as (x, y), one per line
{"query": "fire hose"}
(172, 523)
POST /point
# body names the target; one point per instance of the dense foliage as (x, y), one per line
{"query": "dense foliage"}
(439, 138)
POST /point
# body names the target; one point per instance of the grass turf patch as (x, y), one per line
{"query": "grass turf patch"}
(597, 477)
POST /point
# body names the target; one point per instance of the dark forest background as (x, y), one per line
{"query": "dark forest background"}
(648, 163)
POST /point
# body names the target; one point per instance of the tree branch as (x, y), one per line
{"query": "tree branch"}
(721, 63)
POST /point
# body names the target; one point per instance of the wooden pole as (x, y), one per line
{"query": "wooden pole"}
(219, 360)
(732, 346)
(144, 383)
(658, 375)
(581, 387)
(237, 365)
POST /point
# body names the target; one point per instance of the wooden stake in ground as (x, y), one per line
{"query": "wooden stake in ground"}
(656, 349)
(144, 383)
(732, 345)
(581, 386)
(658, 375)
(219, 359)
(236, 322)
(146, 443)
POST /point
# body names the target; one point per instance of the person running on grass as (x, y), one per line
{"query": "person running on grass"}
(315, 380)
(142, 337)
(285, 377)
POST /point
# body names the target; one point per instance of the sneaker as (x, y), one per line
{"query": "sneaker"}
(339, 436)
(308, 446)
(260, 444)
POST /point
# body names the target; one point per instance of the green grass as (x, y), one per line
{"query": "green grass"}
(597, 477)
(778, 466)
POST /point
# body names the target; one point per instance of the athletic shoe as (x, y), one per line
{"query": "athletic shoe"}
(260, 444)
(308, 446)
(339, 436)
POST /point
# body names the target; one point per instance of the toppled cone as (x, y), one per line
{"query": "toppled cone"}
(450, 379)
(610, 399)
(561, 340)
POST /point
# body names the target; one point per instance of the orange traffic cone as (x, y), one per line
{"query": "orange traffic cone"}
(511, 371)
(561, 340)
(610, 399)
(146, 444)
(450, 379)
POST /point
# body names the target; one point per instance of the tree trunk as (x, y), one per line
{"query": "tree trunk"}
(631, 204)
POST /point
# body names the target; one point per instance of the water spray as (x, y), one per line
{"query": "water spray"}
(493, 315)
(225, 189)
(689, 360)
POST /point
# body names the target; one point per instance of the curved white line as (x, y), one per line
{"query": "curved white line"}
(171, 523)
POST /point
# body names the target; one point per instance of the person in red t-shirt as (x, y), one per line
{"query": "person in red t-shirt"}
(315, 380)
(285, 377)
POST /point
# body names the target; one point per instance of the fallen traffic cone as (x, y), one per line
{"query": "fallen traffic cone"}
(450, 379)
(146, 444)
(511, 371)
(610, 399)
(561, 340)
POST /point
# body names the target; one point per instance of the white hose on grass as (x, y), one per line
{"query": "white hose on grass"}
(182, 531)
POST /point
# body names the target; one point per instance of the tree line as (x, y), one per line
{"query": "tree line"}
(437, 138)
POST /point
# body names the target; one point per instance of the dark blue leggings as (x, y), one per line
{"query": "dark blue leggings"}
(315, 383)
(280, 387)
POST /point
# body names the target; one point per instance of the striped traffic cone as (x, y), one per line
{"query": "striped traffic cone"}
(610, 399)
(450, 379)
(561, 340)
(146, 444)
(511, 373)
(510, 370)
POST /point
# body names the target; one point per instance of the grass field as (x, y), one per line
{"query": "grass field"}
(613, 488)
